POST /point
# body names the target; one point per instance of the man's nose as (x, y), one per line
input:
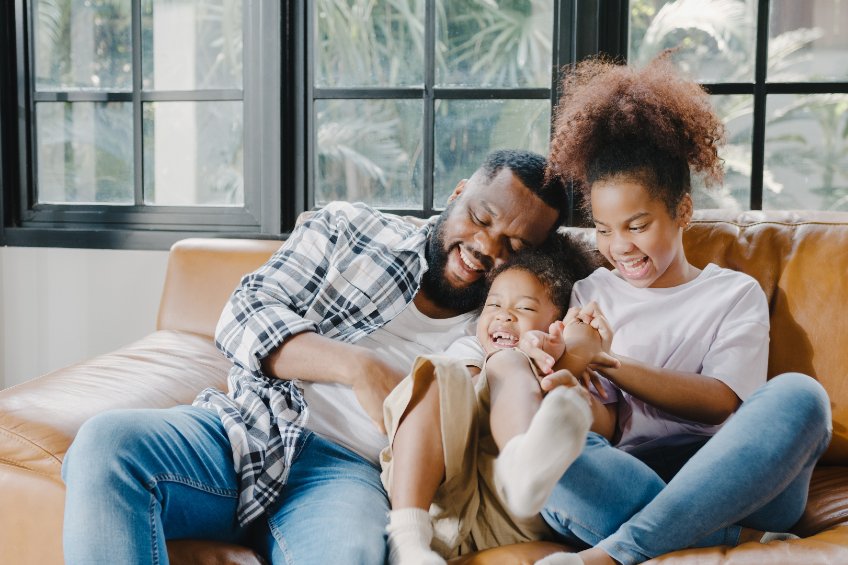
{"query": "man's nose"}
(491, 248)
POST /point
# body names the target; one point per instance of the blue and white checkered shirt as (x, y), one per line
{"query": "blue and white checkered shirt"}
(344, 272)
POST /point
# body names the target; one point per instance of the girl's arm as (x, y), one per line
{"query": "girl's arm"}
(692, 396)
(686, 395)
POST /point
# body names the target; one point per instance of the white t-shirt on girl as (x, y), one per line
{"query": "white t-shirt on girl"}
(716, 325)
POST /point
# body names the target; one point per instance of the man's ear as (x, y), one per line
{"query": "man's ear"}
(460, 186)
(685, 210)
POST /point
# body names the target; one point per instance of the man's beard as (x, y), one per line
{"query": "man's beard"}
(434, 284)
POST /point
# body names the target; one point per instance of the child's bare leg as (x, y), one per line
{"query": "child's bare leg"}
(515, 398)
(418, 470)
(535, 448)
(417, 454)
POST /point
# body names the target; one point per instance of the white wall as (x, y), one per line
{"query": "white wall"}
(61, 306)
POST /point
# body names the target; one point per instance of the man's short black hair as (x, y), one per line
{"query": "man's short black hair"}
(530, 168)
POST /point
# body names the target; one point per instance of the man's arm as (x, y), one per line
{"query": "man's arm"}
(312, 357)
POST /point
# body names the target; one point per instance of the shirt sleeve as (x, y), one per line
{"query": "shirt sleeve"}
(739, 354)
(468, 350)
(269, 305)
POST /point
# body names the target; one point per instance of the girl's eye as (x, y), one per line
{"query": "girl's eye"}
(602, 232)
(637, 228)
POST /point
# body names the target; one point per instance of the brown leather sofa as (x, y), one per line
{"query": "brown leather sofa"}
(800, 259)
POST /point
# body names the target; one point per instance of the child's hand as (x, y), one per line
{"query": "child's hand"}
(563, 377)
(587, 334)
(544, 349)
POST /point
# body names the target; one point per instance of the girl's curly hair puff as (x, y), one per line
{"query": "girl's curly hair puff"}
(651, 122)
(558, 263)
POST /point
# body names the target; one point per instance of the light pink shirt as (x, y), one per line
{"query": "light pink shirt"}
(716, 325)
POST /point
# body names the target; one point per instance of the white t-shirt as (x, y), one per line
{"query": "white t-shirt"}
(716, 325)
(334, 411)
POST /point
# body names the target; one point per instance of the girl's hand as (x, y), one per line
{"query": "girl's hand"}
(591, 314)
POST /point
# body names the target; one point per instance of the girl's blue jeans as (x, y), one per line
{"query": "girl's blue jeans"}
(136, 478)
(754, 472)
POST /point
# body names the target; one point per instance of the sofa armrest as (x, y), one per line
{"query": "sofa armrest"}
(39, 419)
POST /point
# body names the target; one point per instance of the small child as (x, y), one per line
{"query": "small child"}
(484, 486)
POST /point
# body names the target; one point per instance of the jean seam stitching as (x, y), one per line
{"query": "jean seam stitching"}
(281, 540)
(179, 479)
(154, 545)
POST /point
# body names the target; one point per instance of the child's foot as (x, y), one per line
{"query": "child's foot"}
(561, 558)
(750, 534)
(410, 533)
(530, 464)
(777, 536)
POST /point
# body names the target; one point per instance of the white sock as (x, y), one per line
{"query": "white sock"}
(410, 533)
(561, 558)
(530, 464)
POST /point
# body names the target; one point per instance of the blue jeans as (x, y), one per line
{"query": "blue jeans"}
(754, 472)
(136, 478)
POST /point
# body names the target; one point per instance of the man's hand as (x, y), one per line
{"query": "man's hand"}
(372, 379)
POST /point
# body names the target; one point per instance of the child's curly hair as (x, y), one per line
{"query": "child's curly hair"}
(558, 263)
(652, 123)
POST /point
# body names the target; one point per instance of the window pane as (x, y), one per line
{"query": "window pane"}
(499, 43)
(369, 150)
(84, 152)
(193, 153)
(81, 44)
(190, 45)
(467, 130)
(807, 41)
(716, 37)
(737, 113)
(807, 151)
(369, 42)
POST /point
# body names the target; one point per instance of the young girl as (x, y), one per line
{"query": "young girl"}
(485, 485)
(692, 342)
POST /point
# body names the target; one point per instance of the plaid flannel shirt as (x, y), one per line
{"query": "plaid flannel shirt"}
(344, 272)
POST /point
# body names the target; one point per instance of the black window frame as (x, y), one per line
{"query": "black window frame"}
(760, 88)
(142, 226)
(279, 107)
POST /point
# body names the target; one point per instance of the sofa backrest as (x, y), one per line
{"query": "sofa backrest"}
(799, 258)
(201, 275)
(801, 261)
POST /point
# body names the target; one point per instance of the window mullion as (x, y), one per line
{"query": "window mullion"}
(759, 133)
(429, 101)
(138, 118)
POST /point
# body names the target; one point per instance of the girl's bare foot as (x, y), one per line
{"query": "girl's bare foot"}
(596, 556)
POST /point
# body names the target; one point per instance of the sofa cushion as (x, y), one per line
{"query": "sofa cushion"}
(39, 418)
